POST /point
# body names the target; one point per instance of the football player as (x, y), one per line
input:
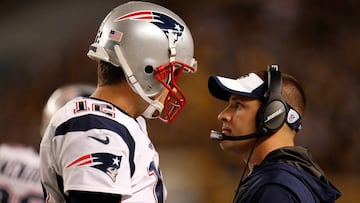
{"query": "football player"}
(19, 174)
(97, 149)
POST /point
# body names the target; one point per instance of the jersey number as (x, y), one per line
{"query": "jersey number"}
(103, 108)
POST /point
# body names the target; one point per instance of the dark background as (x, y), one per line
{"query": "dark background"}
(43, 45)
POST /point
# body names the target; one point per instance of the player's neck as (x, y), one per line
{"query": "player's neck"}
(123, 97)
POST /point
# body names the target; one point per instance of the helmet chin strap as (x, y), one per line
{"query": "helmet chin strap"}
(153, 110)
(155, 106)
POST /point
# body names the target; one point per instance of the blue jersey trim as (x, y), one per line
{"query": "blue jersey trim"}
(90, 121)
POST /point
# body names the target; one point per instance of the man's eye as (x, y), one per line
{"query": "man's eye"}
(238, 105)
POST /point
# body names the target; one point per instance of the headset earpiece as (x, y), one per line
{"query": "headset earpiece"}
(273, 111)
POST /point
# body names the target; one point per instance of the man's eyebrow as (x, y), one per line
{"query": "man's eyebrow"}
(236, 98)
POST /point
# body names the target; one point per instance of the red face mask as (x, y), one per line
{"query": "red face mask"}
(175, 100)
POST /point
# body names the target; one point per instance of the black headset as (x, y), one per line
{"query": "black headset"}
(273, 111)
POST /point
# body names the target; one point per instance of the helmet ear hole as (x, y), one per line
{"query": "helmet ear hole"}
(149, 69)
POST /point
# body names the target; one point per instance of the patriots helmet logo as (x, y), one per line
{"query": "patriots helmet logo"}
(164, 22)
(105, 162)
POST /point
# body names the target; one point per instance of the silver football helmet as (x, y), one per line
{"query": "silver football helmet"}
(153, 46)
(60, 97)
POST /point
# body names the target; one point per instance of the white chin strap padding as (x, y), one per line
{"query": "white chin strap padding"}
(155, 107)
(153, 111)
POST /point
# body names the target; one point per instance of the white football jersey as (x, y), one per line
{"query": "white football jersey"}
(91, 145)
(19, 175)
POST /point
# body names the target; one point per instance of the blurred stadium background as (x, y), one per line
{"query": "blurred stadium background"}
(44, 45)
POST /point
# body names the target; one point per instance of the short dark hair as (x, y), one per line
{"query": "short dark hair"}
(109, 74)
(292, 91)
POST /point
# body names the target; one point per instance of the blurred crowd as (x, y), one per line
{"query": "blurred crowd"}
(44, 46)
